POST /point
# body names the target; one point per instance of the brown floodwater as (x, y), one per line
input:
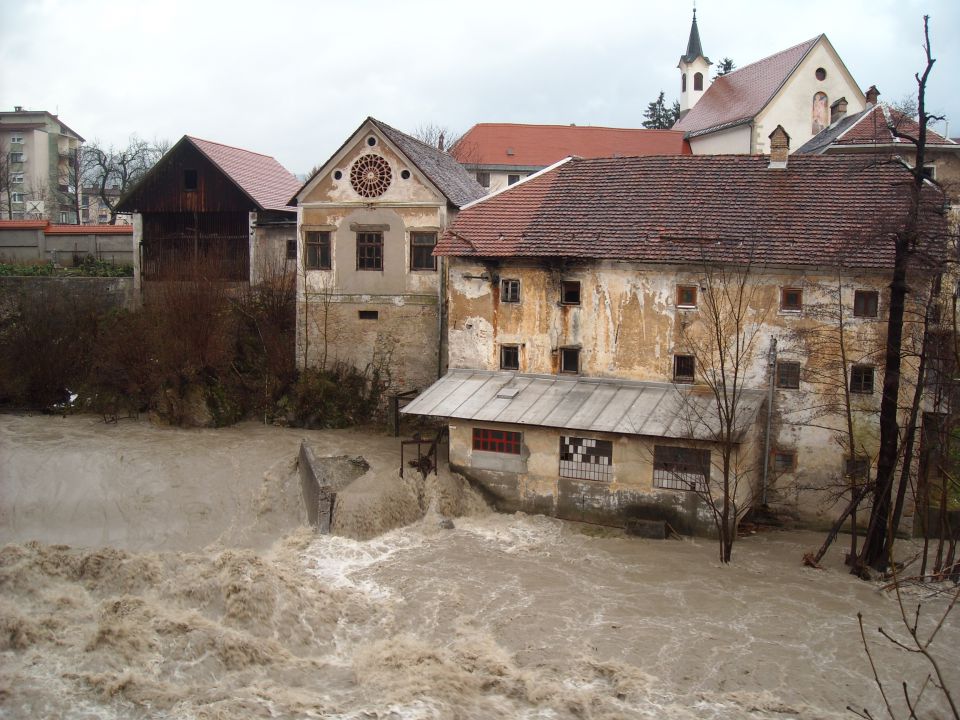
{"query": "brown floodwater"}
(152, 572)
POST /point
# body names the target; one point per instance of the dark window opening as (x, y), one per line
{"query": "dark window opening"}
(698, 81)
(499, 441)
(570, 360)
(369, 251)
(683, 368)
(929, 172)
(683, 83)
(791, 299)
(586, 459)
(405, 174)
(678, 468)
(788, 374)
(570, 292)
(291, 249)
(421, 251)
(484, 179)
(511, 179)
(510, 291)
(687, 296)
(337, 174)
(865, 303)
(368, 314)
(857, 467)
(371, 141)
(509, 357)
(784, 461)
(318, 250)
(861, 379)
(189, 179)
(821, 74)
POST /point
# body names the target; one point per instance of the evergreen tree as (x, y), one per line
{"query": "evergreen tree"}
(659, 116)
(726, 66)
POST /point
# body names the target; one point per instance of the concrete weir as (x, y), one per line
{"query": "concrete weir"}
(321, 478)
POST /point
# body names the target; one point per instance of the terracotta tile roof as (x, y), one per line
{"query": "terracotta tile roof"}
(89, 230)
(738, 96)
(267, 182)
(23, 224)
(538, 146)
(692, 208)
(872, 127)
(450, 177)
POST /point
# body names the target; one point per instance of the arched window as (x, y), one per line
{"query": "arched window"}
(820, 113)
(698, 81)
(683, 83)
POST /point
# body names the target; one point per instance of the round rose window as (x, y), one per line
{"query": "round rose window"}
(370, 175)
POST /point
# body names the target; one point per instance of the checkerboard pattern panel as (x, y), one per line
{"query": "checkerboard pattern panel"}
(586, 458)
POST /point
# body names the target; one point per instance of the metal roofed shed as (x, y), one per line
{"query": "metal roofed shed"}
(604, 405)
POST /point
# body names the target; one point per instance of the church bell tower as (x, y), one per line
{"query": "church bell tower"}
(694, 70)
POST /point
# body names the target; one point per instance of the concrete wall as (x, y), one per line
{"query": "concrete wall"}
(531, 482)
(116, 293)
(39, 246)
(628, 326)
(268, 251)
(733, 141)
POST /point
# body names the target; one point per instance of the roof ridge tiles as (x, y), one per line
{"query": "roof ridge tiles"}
(231, 147)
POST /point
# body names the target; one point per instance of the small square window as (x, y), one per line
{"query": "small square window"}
(684, 368)
(16, 157)
(865, 303)
(368, 314)
(861, 379)
(16, 178)
(510, 291)
(484, 179)
(570, 360)
(291, 249)
(788, 374)
(421, 251)
(369, 251)
(784, 461)
(687, 296)
(317, 245)
(509, 357)
(791, 299)
(570, 292)
(189, 179)
(511, 179)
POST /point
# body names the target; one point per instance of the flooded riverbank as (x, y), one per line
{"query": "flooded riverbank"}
(502, 616)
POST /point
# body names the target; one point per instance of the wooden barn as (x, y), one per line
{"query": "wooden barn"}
(214, 204)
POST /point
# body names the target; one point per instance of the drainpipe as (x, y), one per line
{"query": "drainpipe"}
(771, 372)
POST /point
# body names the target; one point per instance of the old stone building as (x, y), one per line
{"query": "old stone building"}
(736, 113)
(595, 308)
(369, 290)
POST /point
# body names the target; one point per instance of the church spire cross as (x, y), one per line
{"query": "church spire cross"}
(694, 48)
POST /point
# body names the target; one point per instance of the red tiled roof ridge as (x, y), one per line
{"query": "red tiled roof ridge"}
(771, 56)
(891, 117)
(571, 127)
(231, 147)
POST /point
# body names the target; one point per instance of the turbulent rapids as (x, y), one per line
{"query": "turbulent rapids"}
(158, 573)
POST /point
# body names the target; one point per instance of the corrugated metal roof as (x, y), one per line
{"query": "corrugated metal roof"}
(577, 403)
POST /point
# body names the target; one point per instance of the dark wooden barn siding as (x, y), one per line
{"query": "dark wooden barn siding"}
(163, 190)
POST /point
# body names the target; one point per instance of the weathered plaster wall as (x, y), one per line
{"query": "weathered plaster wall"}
(733, 141)
(793, 104)
(629, 326)
(268, 256)
(405, 336)
(531, 481)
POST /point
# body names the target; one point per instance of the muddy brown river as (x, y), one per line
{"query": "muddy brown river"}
(152, 572)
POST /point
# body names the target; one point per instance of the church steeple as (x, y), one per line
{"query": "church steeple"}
(694, 50)
(694, 70)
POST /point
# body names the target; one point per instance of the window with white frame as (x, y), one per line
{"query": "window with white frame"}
(586, 458)
(16, 197)
(16, 139)
(16, 157)
(16, 178)
(681, 468)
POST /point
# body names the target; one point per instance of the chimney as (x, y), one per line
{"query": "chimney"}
(18, 108)
(872, 96)
(779, 148)
(838, 110)
(440, 143)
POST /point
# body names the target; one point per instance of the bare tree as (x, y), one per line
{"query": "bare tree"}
(437, 136)
(878, 543)
(6, 189)
(724, 342)
(118, 169)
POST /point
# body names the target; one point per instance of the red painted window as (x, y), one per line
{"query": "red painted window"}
(500, 441)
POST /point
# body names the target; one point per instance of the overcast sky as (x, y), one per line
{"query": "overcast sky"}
(294, 79)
